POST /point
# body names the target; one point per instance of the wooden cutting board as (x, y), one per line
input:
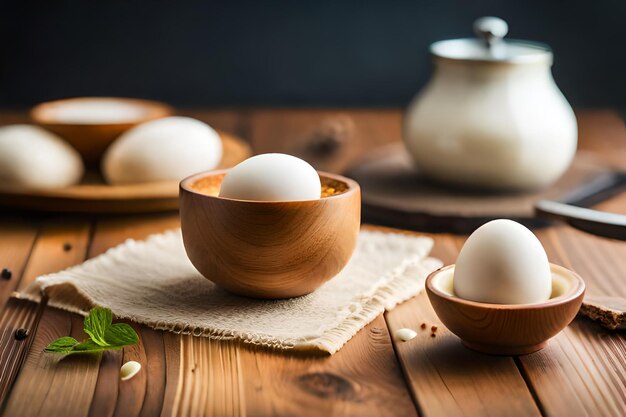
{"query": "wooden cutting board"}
(395, 194)
(94, 196)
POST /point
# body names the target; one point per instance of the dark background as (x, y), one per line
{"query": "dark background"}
(279, 53)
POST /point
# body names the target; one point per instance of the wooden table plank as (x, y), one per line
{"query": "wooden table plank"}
(39, 370)
(209, 382)
(223, 378)
(362, 379)
(448, 379)
(17, 314)
(112, 396)
(155, 368)
(61, 243)
(171, 343)
(132, 393)
(22, 314)
(46, 384)
(291, 130)
(17, 239)
(583, 369)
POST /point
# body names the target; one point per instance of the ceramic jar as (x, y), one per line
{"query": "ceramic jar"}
(491, 117)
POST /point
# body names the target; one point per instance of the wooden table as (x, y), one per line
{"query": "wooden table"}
(581, 373)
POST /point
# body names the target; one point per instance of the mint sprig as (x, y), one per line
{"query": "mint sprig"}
(96, 324)
(103, 335)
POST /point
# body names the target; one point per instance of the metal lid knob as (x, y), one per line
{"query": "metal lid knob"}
(491, 29)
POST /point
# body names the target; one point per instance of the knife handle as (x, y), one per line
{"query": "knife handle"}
(600, 223)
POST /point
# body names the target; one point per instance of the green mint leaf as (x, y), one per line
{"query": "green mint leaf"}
(96, 324)
(103, 335)
(62, 345)
(120, 334)
(89, 346)
(86, 346)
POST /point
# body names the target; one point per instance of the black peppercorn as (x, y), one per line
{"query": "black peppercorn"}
(21, 334)
(6, 273)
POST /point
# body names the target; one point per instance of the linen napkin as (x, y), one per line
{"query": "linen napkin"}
(154, 283)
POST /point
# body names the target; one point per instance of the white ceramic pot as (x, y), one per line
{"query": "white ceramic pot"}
(492, 116)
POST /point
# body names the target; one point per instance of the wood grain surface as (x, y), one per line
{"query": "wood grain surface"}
(46, 384)
(582, 372)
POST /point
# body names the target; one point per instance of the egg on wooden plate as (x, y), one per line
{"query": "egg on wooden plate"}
(170, 148)
(35, 158)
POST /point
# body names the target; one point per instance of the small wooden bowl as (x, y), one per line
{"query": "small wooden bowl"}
(506, 329)
(268, 249)
(91, 138)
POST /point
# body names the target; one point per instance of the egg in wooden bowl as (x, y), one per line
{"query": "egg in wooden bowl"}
(503, 296)
(272, 248)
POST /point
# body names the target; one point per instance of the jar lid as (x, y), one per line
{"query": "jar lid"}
(490, 46)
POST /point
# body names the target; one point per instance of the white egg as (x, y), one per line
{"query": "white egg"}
(171, 148)
(503, 262)
(33, 157)
(272, 177)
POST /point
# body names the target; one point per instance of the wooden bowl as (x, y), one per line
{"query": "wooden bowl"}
(268, 249)
(92, 137)
(506, 329)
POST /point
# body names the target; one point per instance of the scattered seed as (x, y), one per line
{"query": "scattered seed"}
(129, 370)
(21, 334)
(67, 247)
(6, 273)
(433, 329)
(423, 326)
(405, 334)
(433, 335)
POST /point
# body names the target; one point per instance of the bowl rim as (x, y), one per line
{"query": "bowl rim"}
(577, 290)
(185, 185)
(156, 109)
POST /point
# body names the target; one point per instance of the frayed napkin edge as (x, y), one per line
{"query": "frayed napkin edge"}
(396, 290)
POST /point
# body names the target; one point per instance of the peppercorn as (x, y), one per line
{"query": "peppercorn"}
(21, 334)
(6, 273)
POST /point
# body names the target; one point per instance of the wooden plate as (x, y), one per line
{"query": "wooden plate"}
(395, 194)
(91, 139)
(93, 196)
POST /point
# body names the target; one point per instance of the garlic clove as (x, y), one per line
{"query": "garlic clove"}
(129, 370)
(405, 334)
